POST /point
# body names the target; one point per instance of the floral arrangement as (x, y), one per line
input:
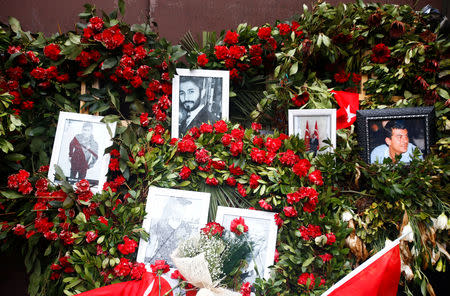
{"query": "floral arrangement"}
(332, 210)
(214, 259)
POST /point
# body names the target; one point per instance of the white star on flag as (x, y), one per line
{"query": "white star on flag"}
(350, 115)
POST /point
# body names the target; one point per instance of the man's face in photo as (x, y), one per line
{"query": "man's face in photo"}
(86, 130)
(398, 143)
(189, 95)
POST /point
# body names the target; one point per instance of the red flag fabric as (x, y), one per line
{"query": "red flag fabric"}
(307, 136)
(133, 288)
(349, 103)
(378, 276)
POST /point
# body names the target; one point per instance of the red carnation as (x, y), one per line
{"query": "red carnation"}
(187, 144)
(231, 181)
(139, 38)
(341, 77)
(235, 170)
(220, 126)
(331, 238)
(255, 50)
(206, 128)
(303, 280)
(128, 247)
(290, 212)
(264, 204)
(231, 37)
(273, 145)
(137, 271)
(258, 141)
(380, 54)
(301, 168)
(226, 139)
(246, 289)
(221, 52)
(212, 181)
(284, 29)
(185, 173)
(91, 236)
(264, 33)
(123, 268)
(238, 226)
(19, 229)
(95, 23)
(213, 228)
(160, 267)
(236, 148)
(144, 119)
(316, 178)
(202, 60)
(241, 190)
(257, 155)
(256, 127)
(52, 51)
(326, 257)
(254, 181)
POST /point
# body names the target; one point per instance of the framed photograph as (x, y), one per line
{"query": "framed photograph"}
(198, 96)
(314, 126)
(262, 230)
(172, 216)
(395, 133)
(79, 148)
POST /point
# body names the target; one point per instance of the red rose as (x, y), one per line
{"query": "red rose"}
(206, 128)
(236, 148)
(284, 29)
(341, 77)
(380, 54)
(160, 267)
(220, 126)
(231, 37)
(185, 173)
(316, 177)
(202, 60)
(128, 247)
(301, 168)
(139, 38)
(238, 226)
(264, 33)
(221, 52)
(91, 236)
(52, 51)
(213, 228)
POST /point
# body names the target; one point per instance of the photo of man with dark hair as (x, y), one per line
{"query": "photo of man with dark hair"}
(83, 153)
(397, 142)
(200, 101)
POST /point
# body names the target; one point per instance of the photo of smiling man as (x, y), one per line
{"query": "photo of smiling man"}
(397, 142)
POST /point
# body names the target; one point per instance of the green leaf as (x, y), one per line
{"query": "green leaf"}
(111, 118)
(121, 7)
(15, 24)
(294, 69)
(443, 93)
(15, 157)
(109, 63)
(11, 194)
(308, 261)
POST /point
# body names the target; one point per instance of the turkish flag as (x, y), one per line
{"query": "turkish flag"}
(378, 276)
(148, 285)
(349, 103)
